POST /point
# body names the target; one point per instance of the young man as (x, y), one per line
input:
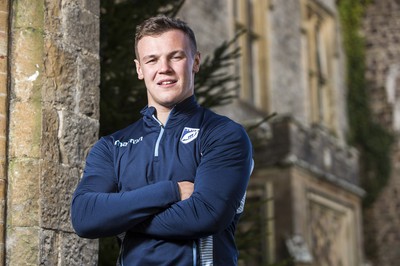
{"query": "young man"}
(173, 183)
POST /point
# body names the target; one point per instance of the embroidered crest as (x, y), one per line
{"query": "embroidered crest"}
(189, 134)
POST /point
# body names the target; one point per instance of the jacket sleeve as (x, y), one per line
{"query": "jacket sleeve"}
(220, 184)
(98, 211)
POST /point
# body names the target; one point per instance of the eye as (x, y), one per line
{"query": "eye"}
(177, 57)
(150, 61)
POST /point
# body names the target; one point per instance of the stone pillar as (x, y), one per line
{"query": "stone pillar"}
(3, 118)
(53, 121)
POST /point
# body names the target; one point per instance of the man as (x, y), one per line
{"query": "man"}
(173, 183)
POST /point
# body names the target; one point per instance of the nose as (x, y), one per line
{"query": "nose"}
(165, 66)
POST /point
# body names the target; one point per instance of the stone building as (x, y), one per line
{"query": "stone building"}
(381, 29)
(292, 64)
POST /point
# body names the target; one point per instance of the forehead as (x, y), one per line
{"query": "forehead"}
(162, 43)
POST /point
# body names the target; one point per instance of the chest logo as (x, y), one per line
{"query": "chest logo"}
(189, 134)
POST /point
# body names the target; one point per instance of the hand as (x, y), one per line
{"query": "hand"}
(185, 189)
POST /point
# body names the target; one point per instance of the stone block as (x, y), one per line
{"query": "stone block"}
(3, 71)
(88, 95)
(3, 168)
(3, 128)
(58, 183)
(3, 103)
(3, 43)
(2, 222)
(61, 71)
(50, 144)
(82, 28)
(52, 18)
(77, 135)
(26, 65)
(28, 14)
(3, 84)
(22, 246)
(48, 248)
(75, 251)
(25, 137)
(3, 148)
(92, 6)
(4, 21)
(23, 193)
(3, 188)
(4, 5)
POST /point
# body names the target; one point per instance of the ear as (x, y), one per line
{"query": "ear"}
(196, 64)
(139, 69)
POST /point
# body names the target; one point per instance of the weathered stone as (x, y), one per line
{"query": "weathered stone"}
(88, 93)
(92, 6)
(61, 71)
(2, 167)
(27, 63)
(3, 80)
(23, 203)
(22, 246)
(3, 65)
(48, 248)
(77, 251)
(52, 18)
(28, 14)
(3, 104)
(84, 32)
(25, 138)
(381, 30)
(77, 135)
(57, 184)
(50, 143)
(4, 6)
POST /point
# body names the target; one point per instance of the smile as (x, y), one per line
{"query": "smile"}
(166, 82)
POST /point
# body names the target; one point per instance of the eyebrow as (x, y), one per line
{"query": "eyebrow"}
(151, 56)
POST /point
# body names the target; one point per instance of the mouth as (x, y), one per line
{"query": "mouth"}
(166, 82)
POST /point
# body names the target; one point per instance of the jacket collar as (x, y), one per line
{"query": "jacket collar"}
(178, 114)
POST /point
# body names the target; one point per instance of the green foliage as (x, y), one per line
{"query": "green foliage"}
(372, 140)
(214, 87)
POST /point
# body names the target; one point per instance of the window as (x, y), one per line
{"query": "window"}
(250, 15)
(319, 26)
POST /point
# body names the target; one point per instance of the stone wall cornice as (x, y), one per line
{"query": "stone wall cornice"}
(312, 148)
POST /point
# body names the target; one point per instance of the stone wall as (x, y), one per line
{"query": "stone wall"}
(382, 34)
(381, 30)
(53, 121)
(3, 119)
(210, 21)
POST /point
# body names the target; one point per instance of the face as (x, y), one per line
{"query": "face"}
(167, 65)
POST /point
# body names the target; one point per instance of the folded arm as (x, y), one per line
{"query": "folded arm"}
(220, 183)
(98, 211)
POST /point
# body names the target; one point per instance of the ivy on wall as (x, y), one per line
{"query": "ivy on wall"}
(372, 140)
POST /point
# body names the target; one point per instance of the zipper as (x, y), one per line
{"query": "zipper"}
(156, 148)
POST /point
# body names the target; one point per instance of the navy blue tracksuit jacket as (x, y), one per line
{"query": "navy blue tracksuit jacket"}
(129, 187)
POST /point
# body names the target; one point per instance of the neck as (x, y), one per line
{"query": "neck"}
(162, 115)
